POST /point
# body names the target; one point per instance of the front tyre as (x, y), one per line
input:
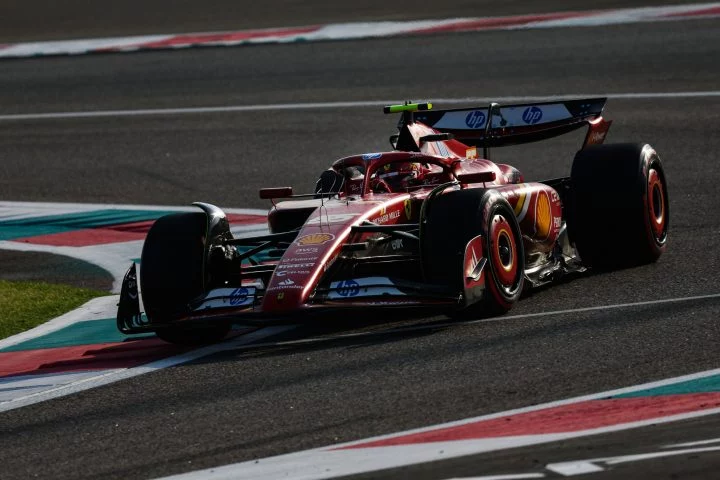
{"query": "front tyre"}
(171, 275)
(451, 221)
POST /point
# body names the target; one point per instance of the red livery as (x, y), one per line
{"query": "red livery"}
(432, 224)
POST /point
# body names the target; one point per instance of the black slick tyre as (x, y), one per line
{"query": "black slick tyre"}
(171, 275)
(451, 221)
(620, 212)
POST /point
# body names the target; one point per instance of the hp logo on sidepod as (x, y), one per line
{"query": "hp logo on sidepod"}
(475, 119)
(532, 115)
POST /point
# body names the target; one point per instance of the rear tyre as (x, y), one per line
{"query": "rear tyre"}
(451, 221)
(620, 206)
(171, 275)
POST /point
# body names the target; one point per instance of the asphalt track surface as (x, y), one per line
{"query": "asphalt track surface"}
(46, 267)
(253, 403)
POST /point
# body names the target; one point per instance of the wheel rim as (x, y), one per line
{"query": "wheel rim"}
(657, 211)
(504, 254)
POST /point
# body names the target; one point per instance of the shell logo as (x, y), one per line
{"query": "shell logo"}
(315, 239)
(543, 216)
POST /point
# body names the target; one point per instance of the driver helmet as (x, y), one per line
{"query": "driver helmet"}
(402, 175)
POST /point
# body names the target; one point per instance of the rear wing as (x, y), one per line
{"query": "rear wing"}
(497, 126)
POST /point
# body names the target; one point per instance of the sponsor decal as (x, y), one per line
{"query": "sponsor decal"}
(532, 115)
(285, 285)
(471, 153)
(362, 287)
(285, 266)
(348, 288)
(387, 217)
(283, 273)
(315, 239)
(280, 296)
(543, 216)
(306, 251)
(408, 208)
(371, 156)
(225, 297)
(238, 296)
(396, 244)
(475, 119)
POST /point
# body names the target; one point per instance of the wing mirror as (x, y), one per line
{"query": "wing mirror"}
(472, 176)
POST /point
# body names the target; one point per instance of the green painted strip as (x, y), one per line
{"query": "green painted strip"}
(32, 227)
(81, 333)
(701, 385)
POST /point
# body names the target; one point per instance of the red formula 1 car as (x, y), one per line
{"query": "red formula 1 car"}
(432, 224)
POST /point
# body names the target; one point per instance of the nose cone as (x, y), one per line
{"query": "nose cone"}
(288, 289)
(298, 272)
(306, 259)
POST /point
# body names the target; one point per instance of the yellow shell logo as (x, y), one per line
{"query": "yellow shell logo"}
(315, 239)
(543, 216)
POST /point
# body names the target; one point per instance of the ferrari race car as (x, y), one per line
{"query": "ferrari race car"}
(432, 224)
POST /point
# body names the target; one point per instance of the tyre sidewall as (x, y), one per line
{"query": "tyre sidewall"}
(498, 297)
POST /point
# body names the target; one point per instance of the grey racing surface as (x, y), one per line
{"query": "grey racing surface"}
(256, 402)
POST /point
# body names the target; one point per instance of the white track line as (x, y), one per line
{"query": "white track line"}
(336, 460)
(456, 323)
(361, 30)
(348, 104)
(581, 467)
(693, 444)
(329, 462)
